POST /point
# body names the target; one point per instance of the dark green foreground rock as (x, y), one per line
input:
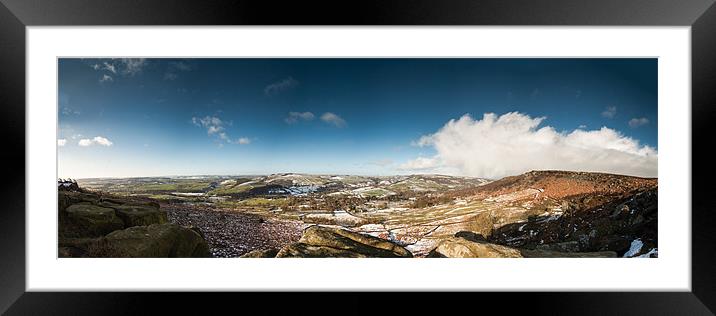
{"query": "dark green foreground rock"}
(87, 220)
(134, 215)
(93, 225)
(158, 241)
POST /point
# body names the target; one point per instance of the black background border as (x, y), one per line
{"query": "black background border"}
(15, 15)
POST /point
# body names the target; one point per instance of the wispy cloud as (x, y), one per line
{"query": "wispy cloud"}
(97, 140)
(132, 66)
(636, 122)
(61, 142)
(294, 117)
(610, 112)
(333, 119)
(120, 67)
(109, 67)
(215, 127)
(280, 86)
(67, 111)
(174, 68)
(212, 124)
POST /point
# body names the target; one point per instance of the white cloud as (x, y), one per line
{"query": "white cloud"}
(212, 124)
(420, 163)
(61, 142)
(109, 67)
(636, 122)
(215, 127)
(280, 86)
(97, 140)
(66, 110)
(123, 66)
(610, 112)
(102, 141)
(294, 117)
(132, 66)
(514, 143)
(333, 119)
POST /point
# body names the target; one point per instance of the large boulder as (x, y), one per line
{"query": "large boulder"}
(302, 250)
(75, 247)
(136, 215)
(455, 247)
(67, 198)
(463, 248)
(320, 241)
(87, 220)
(157, 241)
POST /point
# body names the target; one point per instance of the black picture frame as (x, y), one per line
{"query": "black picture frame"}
(15, 15)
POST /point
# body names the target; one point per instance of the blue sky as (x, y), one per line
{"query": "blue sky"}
(147, 117)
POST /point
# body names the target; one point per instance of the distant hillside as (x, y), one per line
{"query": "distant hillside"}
(568, 185)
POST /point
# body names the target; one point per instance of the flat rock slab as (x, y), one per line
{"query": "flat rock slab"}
(87, 220)
(461, 248)
(134, 215)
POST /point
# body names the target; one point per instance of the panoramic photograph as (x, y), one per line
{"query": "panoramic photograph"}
(357, 157)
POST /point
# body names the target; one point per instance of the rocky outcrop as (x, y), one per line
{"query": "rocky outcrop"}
(331, 242)
(462, 248)
(474, 246)
(92, 225)
(158, 241)
(87, 220)
(611, 226)
(137, 215)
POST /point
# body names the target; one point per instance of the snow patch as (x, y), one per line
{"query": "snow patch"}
(653, 251)
(634, 249)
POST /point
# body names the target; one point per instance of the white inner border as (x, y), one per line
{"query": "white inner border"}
(671, 271)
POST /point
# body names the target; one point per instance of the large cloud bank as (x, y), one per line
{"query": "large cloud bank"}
(514, 143)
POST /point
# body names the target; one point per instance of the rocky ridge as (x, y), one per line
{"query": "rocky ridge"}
(94, 225)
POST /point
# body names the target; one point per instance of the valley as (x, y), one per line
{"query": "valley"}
(536, 214)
